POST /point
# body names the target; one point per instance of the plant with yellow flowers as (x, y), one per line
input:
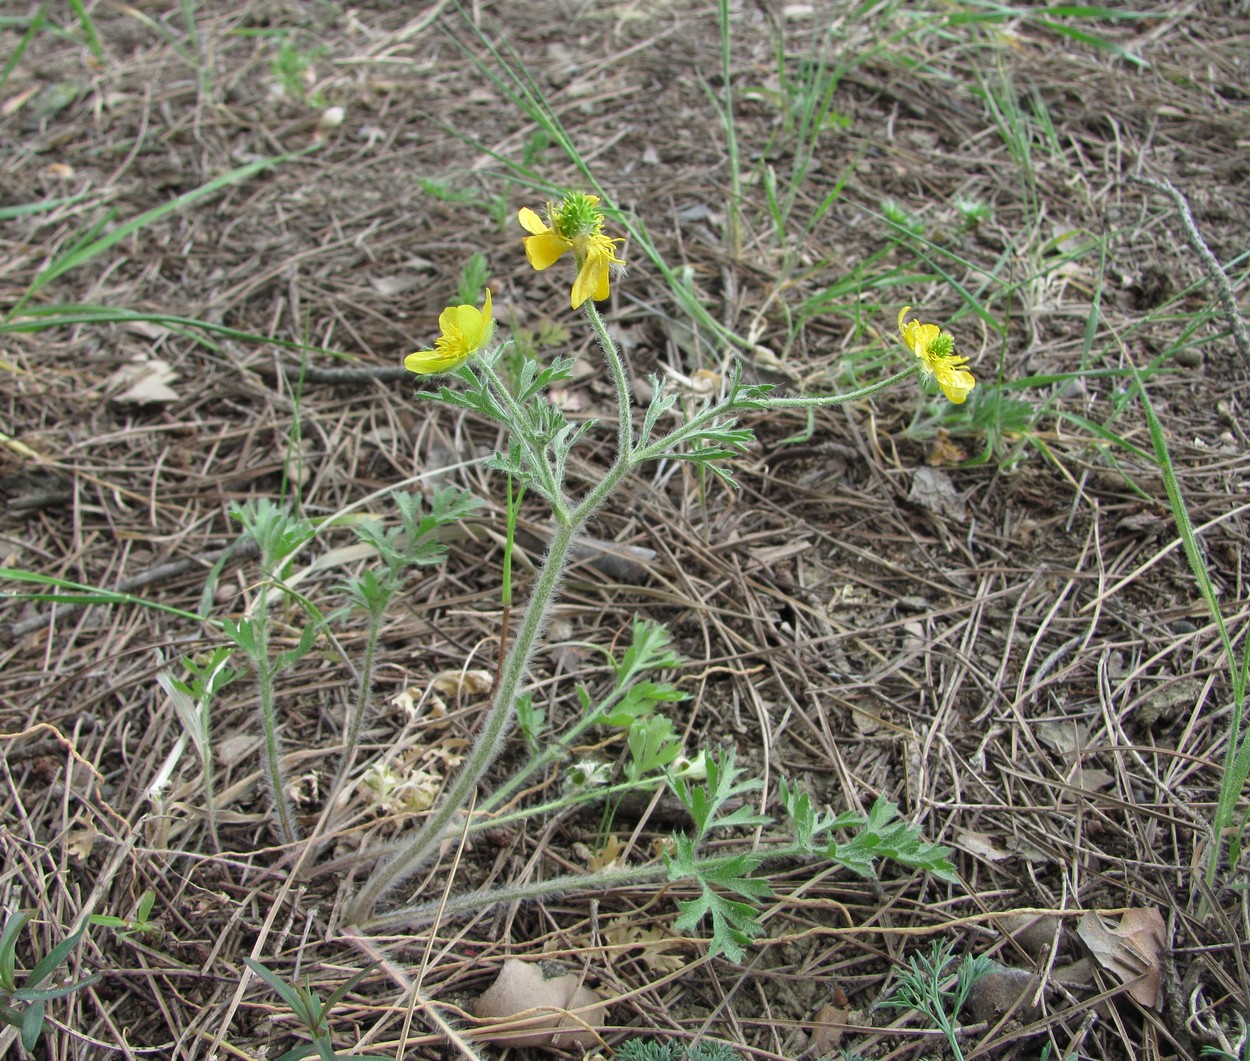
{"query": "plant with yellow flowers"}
(935, 351)
(540, 440)
(574, 225)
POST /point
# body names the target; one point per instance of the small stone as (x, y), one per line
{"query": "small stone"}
(1005, 990)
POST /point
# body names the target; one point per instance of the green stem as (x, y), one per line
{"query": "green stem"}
(564, 802)
(603, 880)
(548, 483)
(409, 856)
(210, 774)
(514, 508)
(554, 752)
(206, 685)
(731, 135)
(568, 525)
(361, 707)
(625, 422)
(414, 853)
(822, 400)
(269, 719)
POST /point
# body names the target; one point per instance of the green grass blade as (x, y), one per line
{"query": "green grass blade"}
(55, 957)
(1106, 434)
(731, 134)
(36, 24)
(42, 318)
(81, 594)
(1094, 41)
(340, 992)
(1237, 752)
(287, 993)
(8, 946)
(32, 1025)
(84, 253)
(88, 29)
(514, 81)
(8, 213)
(47, 994)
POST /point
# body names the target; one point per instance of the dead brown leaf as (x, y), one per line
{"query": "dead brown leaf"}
(80, 842)
(526, 1007)
(144, 382)
(458, 683)
(1132, 951)
(828, 1030)
(982, 845)
(657, 948)
(606, 856)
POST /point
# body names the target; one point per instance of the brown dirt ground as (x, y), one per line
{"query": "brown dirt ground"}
(1027, 671)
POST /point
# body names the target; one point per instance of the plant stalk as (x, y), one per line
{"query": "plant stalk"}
(269, 719)
(624, 419)
(414, 853)
(363, 698)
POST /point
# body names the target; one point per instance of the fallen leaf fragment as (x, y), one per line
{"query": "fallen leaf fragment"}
(390, 286)
(463, 682)
(145, 382)
(528, 1008)
(944, 453)
(934, 490)
(828, 1030)
(607, 856)
(658, 949)
(982, 845)
(79, 842)
(1132, 951)
(331, 118)
(1036, 934)
(14, 103)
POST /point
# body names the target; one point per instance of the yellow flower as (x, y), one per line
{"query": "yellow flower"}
(466, 329)
(936, 351)
(574, 225)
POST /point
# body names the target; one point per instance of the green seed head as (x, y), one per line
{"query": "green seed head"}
(578, 215)
(943, 345)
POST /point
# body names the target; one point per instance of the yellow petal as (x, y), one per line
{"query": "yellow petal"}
(469, 321)
(592, 280)
(485, 325)
(544, 249)
(531, 222)
(439, 360)
(466, 329)
(917, 336)
(956, 383)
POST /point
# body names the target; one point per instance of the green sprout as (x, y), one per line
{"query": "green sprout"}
(313, 1014)
(921, 988)
(22, 1005)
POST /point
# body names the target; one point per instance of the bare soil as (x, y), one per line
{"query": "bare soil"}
(1011, 649)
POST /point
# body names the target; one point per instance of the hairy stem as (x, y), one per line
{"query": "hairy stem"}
(625, 423)
(363, 697)
(548, 484)
(555, 751)
(210, 773)
(604, 879)
(414, 853)
(269, 720)
(1228, 299)
(409, 856)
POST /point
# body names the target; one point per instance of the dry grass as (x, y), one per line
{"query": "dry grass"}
(1030, 673)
